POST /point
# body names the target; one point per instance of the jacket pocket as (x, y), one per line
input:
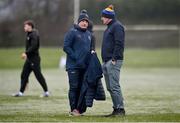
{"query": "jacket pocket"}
(81, 59)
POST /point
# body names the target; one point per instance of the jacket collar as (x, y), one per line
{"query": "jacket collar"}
(111, 22)
(76, 26)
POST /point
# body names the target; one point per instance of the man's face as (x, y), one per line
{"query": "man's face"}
(27, 28)
(105, 20)
(83, 24)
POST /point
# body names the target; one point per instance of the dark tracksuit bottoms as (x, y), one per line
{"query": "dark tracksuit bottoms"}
(28, 67)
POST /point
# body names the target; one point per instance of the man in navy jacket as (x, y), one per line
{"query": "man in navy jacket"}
(112, 57)
(77, 45)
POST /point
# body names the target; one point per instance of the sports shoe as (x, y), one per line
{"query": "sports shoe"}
(75, 112)
(117, 112)
(46, 94)
(19, 94)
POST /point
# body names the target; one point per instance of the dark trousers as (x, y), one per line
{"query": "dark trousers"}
(29, 66)
(75, 82)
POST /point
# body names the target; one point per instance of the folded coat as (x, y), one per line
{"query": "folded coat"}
(92, 87)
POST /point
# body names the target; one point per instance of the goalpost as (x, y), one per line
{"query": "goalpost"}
(76, 10)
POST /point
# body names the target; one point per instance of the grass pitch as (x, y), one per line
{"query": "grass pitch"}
(151, 94)
(150, 84)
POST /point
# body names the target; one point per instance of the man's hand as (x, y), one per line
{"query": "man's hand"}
(24, 56)
(113, 62)
(92, 51)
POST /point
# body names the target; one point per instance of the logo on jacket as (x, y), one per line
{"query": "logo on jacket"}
(79, 36)
(89, 37)
(28, 38)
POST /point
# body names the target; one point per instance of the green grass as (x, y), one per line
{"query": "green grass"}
(65, 118)
(152, 58)
(134, 58)
(11, 58)
(151, 95)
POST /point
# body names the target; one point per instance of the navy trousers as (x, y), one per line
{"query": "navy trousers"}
(75, 82)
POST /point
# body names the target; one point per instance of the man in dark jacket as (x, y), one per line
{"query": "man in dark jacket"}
(32, 59)
(77, 45)
(112, 57)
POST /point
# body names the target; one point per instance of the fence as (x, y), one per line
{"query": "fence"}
(146, 36)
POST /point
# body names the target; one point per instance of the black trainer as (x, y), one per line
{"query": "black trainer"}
(117, 112)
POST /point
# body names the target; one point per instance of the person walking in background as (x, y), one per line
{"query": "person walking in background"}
(32, 59)
(112, 57)
(77, 46)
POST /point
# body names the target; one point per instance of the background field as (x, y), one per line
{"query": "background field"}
(134, 57)
(149, 78)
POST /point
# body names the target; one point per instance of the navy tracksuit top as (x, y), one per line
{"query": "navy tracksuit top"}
(77, 45)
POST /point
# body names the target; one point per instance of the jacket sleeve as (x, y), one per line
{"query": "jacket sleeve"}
(34, 43)
(68, 42)
(119, 41)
